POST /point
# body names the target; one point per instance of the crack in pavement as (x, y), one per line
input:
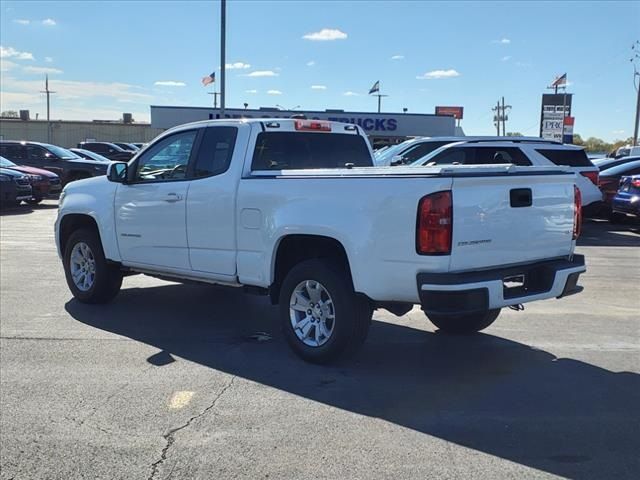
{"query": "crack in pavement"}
(169, 437)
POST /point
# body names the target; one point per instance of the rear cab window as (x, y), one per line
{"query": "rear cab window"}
(308, 150)
(566, 157)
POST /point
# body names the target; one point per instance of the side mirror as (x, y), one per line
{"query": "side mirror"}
(118, 172)
(397, 160)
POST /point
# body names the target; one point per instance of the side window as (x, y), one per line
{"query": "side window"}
(420, 151)
(36, 153)
(166, 160)
(98, 147)
(497, 155)
(216, 149)
(12, 152)
(451, 156)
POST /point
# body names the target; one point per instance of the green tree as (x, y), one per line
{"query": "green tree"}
(9, 114)
(514, 134)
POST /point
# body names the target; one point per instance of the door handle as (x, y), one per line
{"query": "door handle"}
(172, 197)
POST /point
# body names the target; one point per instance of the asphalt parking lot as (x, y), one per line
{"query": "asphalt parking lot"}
(167, 382)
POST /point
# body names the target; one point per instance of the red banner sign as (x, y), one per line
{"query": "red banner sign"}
(455, 112)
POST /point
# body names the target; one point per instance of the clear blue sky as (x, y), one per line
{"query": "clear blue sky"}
(105, 58)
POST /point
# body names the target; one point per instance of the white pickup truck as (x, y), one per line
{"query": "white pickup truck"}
(294, 209)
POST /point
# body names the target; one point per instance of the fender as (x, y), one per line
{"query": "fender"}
(92, 197)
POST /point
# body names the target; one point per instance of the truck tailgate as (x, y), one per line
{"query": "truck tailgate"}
(511, 219)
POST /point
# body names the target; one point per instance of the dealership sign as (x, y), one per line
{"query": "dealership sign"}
(455, 112)
(374, 124)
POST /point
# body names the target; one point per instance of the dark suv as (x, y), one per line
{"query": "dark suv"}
(66, 164)
(109, 150)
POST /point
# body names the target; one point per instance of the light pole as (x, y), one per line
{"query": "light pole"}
(634, 59)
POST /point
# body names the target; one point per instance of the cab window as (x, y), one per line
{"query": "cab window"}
(215, 151)
(167, 160)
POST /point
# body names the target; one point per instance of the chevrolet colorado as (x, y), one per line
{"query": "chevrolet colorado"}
(295, 209)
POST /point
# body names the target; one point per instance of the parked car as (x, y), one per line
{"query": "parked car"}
(523, 152)
(626, 203)
(282, 207)
(89, 155)
(14, 188)
(64, 163)
(627, 151)
(127, 146)
(610, 181)
(43, 182)
(411, 150)
(605, 163)
(108, 149)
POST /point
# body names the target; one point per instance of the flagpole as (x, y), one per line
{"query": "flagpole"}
(223, 26)
(564, 109)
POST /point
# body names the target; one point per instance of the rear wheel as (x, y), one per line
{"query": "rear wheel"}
(464, 324)
(322, 317)
(90, 278)
(34, 201)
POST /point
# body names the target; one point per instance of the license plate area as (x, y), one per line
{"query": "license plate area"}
(531, 281)
(514, 286)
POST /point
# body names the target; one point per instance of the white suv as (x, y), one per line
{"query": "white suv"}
(522, 152)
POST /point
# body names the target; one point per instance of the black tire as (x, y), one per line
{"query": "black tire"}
(352, 312)
(107, 279)
(464, 324)
(617, 218)
(34, 201)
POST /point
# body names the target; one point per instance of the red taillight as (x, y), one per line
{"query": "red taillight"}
(577, 212)
(636, 182)
(313, 125)
(593, 176)
(433, 232)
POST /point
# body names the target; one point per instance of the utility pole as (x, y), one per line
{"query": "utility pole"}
(500, 116)
(48, 92)
(504, 119)
(496, 117)
(636, 74)
(223, 26)
(380, 100)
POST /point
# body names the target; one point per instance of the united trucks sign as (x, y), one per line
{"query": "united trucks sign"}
(374, 124)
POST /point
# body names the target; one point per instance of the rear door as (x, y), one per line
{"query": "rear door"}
(509, 219)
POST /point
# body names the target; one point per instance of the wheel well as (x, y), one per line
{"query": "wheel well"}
(294, 249)
(72, 222)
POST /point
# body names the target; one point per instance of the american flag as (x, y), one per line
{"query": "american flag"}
(559, 81)
(209, 79)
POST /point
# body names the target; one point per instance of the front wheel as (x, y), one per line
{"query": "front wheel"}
(464, 324)
(322, 316)
(90, 278)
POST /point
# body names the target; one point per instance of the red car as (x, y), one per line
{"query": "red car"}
(43, 182)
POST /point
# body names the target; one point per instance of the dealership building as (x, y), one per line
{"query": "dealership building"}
(382, 128)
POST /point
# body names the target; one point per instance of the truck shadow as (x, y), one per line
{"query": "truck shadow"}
(496, 396)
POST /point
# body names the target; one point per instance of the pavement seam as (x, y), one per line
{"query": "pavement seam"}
(169, 437)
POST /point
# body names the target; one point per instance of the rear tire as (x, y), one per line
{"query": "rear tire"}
(341, 316)
(89, 277)
(464, 324)
(34, 201)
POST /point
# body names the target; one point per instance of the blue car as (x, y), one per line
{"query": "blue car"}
(627, 201)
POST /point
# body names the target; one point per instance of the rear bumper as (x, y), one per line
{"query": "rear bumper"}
(471, 292)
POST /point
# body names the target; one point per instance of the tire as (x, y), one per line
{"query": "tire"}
(617, 218)
(34, 201)
(464, 324)
(105, 283)
(351, 313)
